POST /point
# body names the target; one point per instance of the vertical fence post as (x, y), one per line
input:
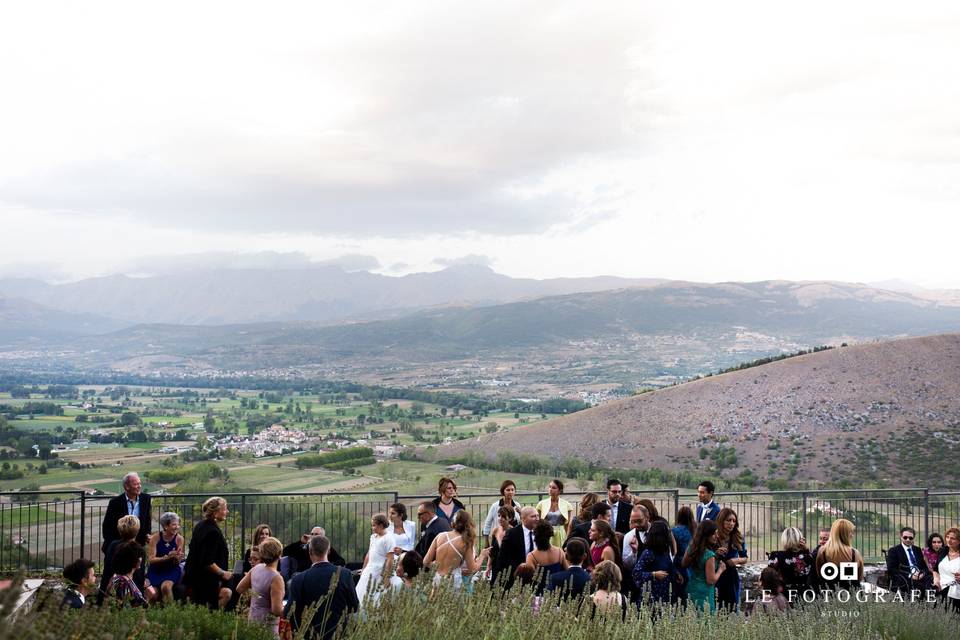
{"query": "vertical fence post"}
(926, 512)
(243, 520)
(83, 523)
(676, 502)
(804, 516)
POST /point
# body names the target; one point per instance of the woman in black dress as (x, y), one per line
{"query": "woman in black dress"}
(206, 571)
(794, 563)
(506, 517)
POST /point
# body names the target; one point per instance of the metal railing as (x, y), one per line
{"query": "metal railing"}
(42, 530)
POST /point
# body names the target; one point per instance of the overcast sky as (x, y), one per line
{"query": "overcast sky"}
(704, 141)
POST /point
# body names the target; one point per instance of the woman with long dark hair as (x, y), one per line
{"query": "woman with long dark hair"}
(404, 531)
(545, 559)
(682, 535)
(506, 517)
(556, 511)
(655, 570)
(933, 551)
(733, 553)
(127, 558)
(261, 533)
(446, 503)
(508, 489)
(706, 568)
(605, 545)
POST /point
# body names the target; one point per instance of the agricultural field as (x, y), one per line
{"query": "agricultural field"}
(87, 437)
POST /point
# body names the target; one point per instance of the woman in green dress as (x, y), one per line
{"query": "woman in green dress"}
(706, 568)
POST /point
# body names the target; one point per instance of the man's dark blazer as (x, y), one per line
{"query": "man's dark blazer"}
(622, 525)
(297, 551)
(898, 569)
(71, 600)
(308, 587)
(711, 514)
(571, 582)
(435, 528)
(513, 553)
(581, 531)
(116, 509)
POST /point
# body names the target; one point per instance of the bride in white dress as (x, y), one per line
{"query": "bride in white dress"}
(454, 552)
(378, 563)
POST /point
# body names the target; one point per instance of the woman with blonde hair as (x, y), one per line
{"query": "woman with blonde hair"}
(205, 573)
(793, 561)
(839, 549)
(453, 551)
(266, 584)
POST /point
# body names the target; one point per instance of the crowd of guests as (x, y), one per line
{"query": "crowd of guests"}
(615, 552)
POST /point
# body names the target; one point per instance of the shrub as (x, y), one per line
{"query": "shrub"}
(173, 622)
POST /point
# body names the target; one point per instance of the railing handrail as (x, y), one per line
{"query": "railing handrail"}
(42, 524)
(683, 493)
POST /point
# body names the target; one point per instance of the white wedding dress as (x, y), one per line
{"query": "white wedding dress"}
(371, 578)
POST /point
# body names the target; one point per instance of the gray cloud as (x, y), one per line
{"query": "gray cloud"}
(456, 130)
(352, 262)
(46, 271)
(471, 259)
(168, 264)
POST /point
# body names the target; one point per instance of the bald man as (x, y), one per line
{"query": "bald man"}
(517, 543)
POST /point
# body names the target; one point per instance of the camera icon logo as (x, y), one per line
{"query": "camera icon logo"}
(846, 571)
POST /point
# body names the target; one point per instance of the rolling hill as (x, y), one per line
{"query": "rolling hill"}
(885, 413)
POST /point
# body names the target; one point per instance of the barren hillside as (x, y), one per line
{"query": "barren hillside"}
(886, 412)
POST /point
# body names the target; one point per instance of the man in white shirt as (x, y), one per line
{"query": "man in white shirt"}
(634, 539)
(707, 509)
(517, 543)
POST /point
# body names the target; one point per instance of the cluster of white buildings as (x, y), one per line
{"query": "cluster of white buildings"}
(274, 440)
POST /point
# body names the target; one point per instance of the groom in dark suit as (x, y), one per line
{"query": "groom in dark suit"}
(132, 502)
(430, 526)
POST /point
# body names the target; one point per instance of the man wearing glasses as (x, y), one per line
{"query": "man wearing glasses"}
(430, 526)
(906, 568)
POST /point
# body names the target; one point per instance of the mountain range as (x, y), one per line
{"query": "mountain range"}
(656, 332)
(325, 294)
